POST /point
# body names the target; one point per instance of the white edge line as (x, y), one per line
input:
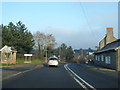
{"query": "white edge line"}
(19, 73)
(76, 79)
(80, 83)
(81, 79)
(11, 76)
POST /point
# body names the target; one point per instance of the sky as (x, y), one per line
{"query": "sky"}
(77, 24)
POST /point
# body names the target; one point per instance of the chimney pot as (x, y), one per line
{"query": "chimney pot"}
(109, 28)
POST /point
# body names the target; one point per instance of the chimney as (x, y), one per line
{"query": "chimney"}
(108, 38)
(109, 31)
(109, 35)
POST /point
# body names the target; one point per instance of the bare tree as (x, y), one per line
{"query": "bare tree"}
(39, 38)
(50, 41)
(42, 41)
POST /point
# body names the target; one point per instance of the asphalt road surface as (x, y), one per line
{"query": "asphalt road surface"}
(96, 78)
(63, 76)
(45, 77)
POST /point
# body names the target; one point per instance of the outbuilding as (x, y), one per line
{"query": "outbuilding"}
(7, 55)
(109, 56)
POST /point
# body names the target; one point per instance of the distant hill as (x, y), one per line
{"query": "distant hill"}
(83, 51)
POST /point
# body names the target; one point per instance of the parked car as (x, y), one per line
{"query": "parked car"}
(53, 61)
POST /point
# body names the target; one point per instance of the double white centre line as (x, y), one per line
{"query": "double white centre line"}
(80, 81)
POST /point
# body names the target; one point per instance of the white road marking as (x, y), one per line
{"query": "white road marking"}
(19, 73)
(12, 76)
(80, 83)
(76, 79)
(67, 68)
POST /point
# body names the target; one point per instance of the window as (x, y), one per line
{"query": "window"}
(53, 59)
(96, 57)
(108, 60)
(102, 58)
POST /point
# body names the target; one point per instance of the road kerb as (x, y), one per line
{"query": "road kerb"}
(99, 68)
(104, 69)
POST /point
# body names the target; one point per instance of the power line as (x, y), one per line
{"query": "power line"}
(86, 18)
(89, 26)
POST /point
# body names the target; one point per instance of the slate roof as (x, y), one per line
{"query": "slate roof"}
(12, 49)
(110, 46)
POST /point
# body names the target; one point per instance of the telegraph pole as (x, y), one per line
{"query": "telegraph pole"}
(46, 53)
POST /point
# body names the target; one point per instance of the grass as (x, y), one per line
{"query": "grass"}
(5, 64)
(22, 62)
(32, 61)
(37, 61)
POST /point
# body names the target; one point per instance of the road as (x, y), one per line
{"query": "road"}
(46, 77)
(64, 76)
(10, 71)
(96, 78)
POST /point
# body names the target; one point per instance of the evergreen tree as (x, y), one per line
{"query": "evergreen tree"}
(17, 36)
(70, 53)
(65, 52)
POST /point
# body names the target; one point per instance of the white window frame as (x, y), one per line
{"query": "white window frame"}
(108, 60)
(96, 58)
(102, 58)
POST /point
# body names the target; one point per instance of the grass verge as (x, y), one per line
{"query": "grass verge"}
(22, 62)
(32, 61)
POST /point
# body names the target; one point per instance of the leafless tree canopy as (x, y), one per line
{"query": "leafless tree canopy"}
(42, 41)
(39, 38)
